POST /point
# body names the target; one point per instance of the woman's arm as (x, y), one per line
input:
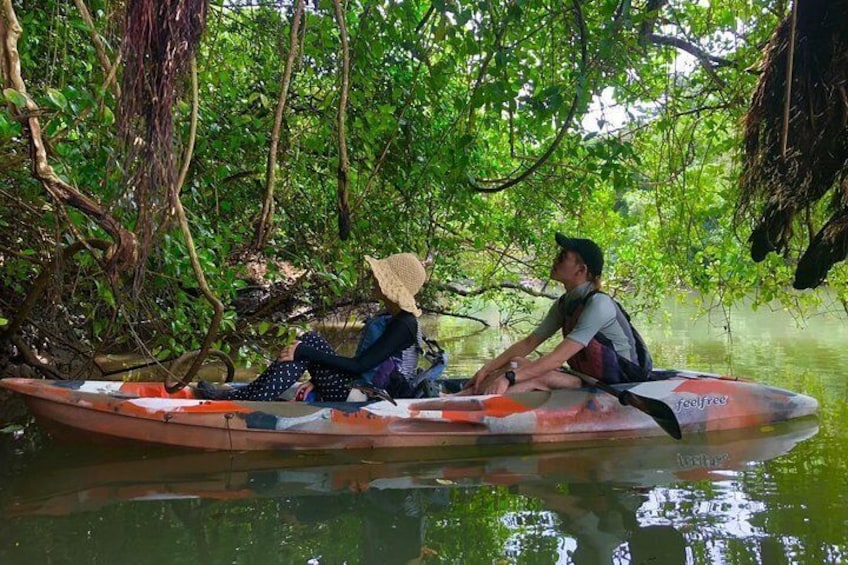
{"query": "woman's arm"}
(401, 332)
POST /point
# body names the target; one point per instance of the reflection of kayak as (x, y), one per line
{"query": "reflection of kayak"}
(74, 481)
(145, 412)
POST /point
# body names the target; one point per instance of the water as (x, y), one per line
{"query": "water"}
(770, 495)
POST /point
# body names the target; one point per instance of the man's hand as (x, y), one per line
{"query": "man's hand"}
(497, 385)
(287, 354)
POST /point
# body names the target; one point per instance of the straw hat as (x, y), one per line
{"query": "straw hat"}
(400, 277)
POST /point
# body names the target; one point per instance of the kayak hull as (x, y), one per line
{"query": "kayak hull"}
(145, 413)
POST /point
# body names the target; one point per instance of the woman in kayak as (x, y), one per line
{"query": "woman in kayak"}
(389, 344)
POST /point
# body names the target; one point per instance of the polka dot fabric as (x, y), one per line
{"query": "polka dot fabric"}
(331, 384)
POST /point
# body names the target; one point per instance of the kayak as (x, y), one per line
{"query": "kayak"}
(145, 413)
(67, 481)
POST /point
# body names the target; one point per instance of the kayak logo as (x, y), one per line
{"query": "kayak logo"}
(701, 402)
(702, 460)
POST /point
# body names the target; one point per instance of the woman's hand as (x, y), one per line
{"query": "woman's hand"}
(479, 377)
(287, 354)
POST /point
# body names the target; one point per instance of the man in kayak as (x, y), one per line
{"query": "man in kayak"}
(388, 346)
(598, 338)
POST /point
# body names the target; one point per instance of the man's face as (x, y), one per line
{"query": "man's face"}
(569, 269)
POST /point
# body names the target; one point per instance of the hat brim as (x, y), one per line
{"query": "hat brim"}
(566, 243)
(392, 287)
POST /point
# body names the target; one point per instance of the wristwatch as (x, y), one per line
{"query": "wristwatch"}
(510, 377)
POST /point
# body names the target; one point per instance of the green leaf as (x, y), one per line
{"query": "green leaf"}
(57, 98)
(106, 295)
(8, 128)
(15, 97)
(107, 117)
(3, 322)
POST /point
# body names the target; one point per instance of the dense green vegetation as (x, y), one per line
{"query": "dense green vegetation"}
(472, 130)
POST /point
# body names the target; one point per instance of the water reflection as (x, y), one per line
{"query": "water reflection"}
(592, 503)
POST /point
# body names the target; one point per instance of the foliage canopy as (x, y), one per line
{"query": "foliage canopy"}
(473, 129)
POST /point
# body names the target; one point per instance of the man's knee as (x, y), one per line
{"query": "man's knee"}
(520, 361)
(558, 379)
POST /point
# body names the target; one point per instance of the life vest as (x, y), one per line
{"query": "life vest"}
(599, 358)
(400, 375)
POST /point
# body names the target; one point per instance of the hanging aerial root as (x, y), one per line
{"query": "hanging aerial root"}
(796, 151)
(160, 38)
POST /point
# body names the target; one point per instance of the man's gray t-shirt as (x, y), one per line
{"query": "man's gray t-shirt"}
(598, 316)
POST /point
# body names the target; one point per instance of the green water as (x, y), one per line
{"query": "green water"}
(772, 495)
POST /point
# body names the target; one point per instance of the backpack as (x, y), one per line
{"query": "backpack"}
(633, 372)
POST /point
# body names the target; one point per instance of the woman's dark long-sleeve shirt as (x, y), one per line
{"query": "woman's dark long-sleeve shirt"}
(401, 332)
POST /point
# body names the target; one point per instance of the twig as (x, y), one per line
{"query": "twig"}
(489, 288)
(790, 63)
(441, 312)
(107, 65)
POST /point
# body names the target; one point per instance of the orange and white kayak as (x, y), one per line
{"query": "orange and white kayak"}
(145, 413)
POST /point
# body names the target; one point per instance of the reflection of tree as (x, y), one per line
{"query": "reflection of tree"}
(470, 529)
(387, 527)
(809, 478)
(602, 519)
(538, 526)
(771, 513)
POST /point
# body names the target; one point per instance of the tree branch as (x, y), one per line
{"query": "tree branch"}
(708, 62)
(441, 312)
(575, 102)
(217, 306)
(692, 49)
(41, 282)
(32, 359)
(466, 292)
(344, 163)
(123, 255)
(263, 226)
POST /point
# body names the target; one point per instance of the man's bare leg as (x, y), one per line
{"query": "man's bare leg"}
(552, 380)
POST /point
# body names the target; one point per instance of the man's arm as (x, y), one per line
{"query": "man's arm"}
(520, 348)
(538, 368)
(549, 361)
(598, 311)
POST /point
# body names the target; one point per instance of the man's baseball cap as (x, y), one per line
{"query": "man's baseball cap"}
(587, 249)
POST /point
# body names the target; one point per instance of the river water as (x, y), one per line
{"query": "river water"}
(772, 495)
